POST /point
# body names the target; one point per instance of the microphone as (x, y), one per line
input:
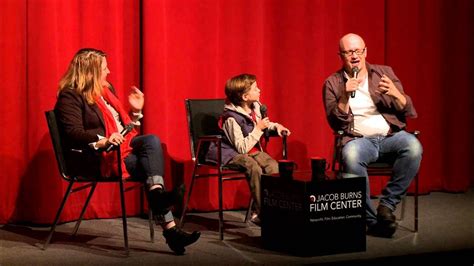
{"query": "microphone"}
(284, 134)
(355, 72)
(124, 132)
(263, 112)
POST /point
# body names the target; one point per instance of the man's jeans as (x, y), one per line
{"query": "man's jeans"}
(401, 148)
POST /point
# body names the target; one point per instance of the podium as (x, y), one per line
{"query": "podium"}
(313, 218)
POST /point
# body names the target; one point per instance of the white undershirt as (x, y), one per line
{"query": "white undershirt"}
(115, 114)
(367, 119)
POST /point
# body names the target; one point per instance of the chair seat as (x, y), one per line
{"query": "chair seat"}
(231, 167)
(379, 168)
(96, 179)
(234, 167)
(379, 165)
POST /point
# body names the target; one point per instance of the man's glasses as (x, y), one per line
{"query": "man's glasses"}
(351, 52)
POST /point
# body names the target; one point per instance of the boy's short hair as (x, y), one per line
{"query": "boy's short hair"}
(237, 86)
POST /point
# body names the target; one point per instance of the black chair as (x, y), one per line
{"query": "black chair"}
(202, 115)
(87, 182)
(375, 169)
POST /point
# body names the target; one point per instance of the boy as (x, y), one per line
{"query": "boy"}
(242, 126)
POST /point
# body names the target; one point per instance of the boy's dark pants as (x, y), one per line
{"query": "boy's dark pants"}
(256, 164)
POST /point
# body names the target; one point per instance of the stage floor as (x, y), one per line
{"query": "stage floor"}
(446, 233)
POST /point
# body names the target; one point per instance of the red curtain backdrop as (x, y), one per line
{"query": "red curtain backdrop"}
(177, 49)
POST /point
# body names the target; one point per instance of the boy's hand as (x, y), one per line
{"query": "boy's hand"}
(281, 128)
(263, 124)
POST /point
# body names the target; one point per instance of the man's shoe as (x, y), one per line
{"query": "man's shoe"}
(385, 214)
(256, 220)
(382, 229)
(161, 201)
(178, 239)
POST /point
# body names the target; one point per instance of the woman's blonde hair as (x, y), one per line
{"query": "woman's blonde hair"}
(84, 74)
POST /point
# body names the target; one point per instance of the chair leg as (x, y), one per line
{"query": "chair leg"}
(152, 227)
(402, 212)
(150, 216)
(124, 216)
(249, 210)
(142, 199)
(78, 223)
(58, 214)
(416, 203)
(181, 220)
(221, 214)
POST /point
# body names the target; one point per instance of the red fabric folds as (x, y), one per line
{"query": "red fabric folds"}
(178, 49)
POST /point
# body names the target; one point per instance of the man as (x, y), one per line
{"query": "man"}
(368, 104)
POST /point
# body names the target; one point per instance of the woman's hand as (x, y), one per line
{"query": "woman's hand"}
(136, 99)
(115, 139)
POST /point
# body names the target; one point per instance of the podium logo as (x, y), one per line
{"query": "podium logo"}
(283, 200)
(335, 201)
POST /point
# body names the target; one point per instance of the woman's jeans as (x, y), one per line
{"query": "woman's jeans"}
(146, 162)
(401, 148)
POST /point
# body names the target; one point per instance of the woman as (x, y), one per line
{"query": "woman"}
(90, 118)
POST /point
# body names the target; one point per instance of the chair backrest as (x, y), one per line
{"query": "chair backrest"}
(56, 140)
(203, 116)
